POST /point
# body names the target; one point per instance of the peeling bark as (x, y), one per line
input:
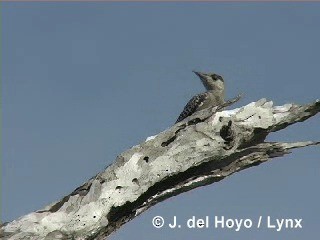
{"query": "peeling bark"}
(204, 148)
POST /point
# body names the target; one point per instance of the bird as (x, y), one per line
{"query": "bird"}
(214, 95)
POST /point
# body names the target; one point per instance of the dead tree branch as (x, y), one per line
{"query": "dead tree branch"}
(203, 149)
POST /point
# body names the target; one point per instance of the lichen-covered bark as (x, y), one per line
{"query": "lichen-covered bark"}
(203, 149)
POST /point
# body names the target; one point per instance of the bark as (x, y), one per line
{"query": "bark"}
(203, 149)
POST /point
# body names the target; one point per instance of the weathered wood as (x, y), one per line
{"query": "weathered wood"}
(203, 149)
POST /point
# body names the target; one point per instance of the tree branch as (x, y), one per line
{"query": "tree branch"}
(204, 148)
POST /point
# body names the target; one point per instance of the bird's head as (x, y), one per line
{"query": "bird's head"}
(211, 81)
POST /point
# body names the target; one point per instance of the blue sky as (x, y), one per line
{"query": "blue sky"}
(82, 82)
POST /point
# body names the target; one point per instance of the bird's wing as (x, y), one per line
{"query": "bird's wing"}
(192, 106)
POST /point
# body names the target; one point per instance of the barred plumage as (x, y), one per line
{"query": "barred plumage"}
(214, 96)
(192, 106)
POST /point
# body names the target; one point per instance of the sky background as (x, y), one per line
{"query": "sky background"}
(82, 82)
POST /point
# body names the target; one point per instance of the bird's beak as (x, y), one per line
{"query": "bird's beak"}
(199, 74)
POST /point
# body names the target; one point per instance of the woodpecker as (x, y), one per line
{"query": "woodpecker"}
(214, 95)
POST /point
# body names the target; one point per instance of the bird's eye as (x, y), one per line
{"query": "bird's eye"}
(215, 77)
